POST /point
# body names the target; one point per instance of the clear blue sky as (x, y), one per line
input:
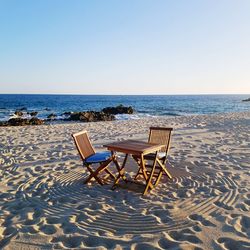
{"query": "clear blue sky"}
(125, 46)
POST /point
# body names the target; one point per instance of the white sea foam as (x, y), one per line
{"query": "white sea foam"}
(132, 117)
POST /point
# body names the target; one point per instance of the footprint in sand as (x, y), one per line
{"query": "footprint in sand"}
(201, 220)
(223, 205)
(232, 244)
(68, 242)
(48, 229)
(241, 223)
(185, 235)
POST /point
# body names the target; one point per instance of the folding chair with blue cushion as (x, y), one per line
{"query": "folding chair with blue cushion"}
(89, 157)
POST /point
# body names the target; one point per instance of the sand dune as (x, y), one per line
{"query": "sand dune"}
(44, 204)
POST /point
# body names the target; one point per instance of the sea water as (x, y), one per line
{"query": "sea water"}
(144, 105)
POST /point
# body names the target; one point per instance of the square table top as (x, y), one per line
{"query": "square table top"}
(133, 147)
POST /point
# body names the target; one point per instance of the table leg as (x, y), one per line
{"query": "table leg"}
(143, 168)
(148, 181)
(119, 169)
(136, 159)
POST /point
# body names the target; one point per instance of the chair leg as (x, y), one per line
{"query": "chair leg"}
(164, 169)
(158, 177)
(143, 168)
(149, 178)
(139, 172)
(93, 174)
(110, 174)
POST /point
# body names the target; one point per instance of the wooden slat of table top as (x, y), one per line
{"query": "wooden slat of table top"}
(133, 147)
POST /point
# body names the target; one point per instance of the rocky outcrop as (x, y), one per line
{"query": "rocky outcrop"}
(107, 114)
(90, 116)
(35, 121)
(246, 100)
(118, 110)
(67, 113)
(3, 123)
(51, 116)
(18, 113)
(22, 121)
(17, 121)
(23, 109)
(33, 113)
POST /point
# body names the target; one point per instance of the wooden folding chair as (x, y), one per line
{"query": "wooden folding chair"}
(89, 157)
(158, 135)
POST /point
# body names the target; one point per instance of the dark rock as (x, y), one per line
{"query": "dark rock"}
(35, 121)
(23, 109)
(3, 123)
(107, 114)
(51, 116)
(22, 122)
(120, 109)
(67, 113)
(33, 113)
(75, 116)
(47, 109)
(87, 116)
(18, 113)
(90, 116)
(246, 100)
(17, 122)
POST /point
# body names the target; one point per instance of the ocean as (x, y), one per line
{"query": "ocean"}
(144, 105)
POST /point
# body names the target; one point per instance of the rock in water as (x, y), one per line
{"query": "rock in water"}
(23, 109)
(67, 113)
(17, 122)
(120, 109)
(3, 123)
(246, 100)
(18, 113)
(35, 121)
(22, 122)
(33, 113)
(51, 116)
(90, 116)
(107, 114)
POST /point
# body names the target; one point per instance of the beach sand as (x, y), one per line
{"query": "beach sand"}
(45, 205)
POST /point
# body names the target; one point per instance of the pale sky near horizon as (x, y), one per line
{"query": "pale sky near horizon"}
(125, 47)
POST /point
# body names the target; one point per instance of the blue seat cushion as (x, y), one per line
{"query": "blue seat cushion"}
(98, 157)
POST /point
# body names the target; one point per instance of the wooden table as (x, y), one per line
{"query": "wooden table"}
(135, 148)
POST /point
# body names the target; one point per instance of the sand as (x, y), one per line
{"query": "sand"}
(45, 205)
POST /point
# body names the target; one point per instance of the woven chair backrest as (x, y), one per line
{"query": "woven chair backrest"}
(160, 135)
(83, 144)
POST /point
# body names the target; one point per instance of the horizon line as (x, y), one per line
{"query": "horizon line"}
(98, 94)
